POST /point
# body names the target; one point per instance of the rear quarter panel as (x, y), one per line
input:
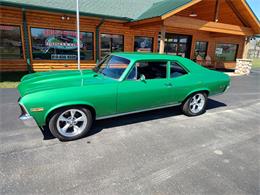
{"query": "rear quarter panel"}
(216, 82)
(205, 80)
(201, 78)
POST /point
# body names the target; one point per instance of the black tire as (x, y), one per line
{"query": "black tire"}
(53, 126)
(186, 106)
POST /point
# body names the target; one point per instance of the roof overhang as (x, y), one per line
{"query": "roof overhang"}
(245, 10)
(202, 25)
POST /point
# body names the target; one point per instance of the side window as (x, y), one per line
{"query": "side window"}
(150, 69)
(177, 70)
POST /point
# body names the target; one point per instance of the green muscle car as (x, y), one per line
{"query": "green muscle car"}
(68, 102)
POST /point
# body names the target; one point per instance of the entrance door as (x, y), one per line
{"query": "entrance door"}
(177, 44)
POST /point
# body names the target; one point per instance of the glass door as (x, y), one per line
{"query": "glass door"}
(179, 45)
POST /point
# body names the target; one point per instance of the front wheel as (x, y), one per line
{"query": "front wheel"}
(195, 104)
(68, 124)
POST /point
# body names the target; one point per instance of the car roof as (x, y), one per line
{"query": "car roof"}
(187, 63)
(146, 56)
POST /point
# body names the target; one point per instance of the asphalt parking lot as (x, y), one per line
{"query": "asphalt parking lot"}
(157, 152)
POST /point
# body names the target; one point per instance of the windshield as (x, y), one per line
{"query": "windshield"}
(112, 66)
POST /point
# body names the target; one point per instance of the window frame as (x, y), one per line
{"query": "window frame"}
(22, 42)
(169, 35)
(139, 36)
(206, 52)
(153, 60)
(229, 44)
(61, 29)
(183, 67)
(100, 43)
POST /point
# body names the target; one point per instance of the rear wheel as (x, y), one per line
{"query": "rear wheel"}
(70, 123)
(195, 104)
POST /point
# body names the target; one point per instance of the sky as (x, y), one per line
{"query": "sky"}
(255, 6)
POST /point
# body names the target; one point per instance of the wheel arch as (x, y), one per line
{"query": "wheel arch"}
(205, 90)
(51, 111)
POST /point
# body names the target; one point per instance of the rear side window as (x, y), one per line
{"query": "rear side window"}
(150, 69)
(177, 70)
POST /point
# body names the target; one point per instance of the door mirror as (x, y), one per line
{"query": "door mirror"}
(142, 77)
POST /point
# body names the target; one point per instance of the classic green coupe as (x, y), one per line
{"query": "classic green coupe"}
(122, 83)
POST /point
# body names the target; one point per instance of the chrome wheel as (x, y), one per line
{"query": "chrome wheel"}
(72, 122)
(197, 103)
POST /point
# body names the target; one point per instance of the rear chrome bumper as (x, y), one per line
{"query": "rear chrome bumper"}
(226, 88)
(220, 93)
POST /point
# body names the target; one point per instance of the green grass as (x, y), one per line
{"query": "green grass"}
(10, 79)
(256, 63)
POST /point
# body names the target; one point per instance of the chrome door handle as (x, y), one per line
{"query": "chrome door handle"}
(168, 84)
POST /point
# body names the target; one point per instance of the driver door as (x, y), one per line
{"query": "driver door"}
(139, 93)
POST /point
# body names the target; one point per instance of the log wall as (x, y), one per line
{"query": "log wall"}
(13, 16)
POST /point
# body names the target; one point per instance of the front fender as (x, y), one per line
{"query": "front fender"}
(64, 104)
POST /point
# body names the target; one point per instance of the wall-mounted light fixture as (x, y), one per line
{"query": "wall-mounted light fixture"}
(193, 14)
(65, 17)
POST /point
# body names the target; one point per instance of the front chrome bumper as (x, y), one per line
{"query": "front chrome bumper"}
(26, 118)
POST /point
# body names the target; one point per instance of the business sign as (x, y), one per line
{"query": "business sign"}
(219, 51)
(143, 44)
(62, 42)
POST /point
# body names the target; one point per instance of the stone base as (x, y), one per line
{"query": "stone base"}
(243, 66)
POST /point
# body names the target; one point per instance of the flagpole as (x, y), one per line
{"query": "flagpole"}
(78, 34)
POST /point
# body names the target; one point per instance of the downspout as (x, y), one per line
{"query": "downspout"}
(97, 39)
(26, 42)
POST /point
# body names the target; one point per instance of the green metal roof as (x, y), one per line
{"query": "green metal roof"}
(118, 9)
(162, 7)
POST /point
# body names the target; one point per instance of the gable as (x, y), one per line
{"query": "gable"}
(206, 9)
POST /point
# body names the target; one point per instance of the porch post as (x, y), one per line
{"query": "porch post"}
(162, 40)
(246, 47)
(97, 39)
(26, 42)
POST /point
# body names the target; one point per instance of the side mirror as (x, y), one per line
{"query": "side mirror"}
(142, 77)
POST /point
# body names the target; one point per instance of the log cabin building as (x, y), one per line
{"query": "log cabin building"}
(41, 35)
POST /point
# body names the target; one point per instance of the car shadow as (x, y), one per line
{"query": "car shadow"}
(100, 125)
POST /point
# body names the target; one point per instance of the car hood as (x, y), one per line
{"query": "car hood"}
(41, 81)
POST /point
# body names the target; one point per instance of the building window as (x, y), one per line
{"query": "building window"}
(226, 52)
(51, 44)
(201, 49)
(143, 44)
(176, 44)
(111, 43)
(11, 46)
